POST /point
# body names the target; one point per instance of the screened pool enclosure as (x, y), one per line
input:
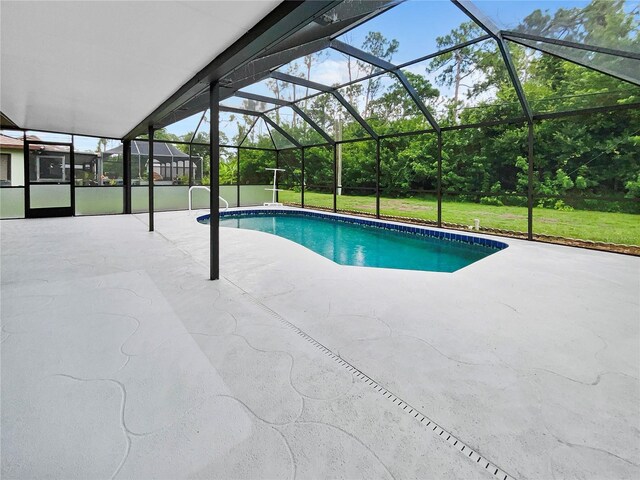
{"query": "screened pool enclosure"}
(520, 116)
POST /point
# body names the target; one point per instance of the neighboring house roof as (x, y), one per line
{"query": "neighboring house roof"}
(46, 148)
(13, 143)
(49, 148)
(10, 142)
(161, 151)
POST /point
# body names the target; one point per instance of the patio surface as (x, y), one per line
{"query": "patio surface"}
(121, 360)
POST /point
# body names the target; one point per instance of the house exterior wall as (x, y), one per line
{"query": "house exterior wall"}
(17, 165)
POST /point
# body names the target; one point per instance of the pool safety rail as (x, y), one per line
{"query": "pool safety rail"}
(202, 187)
(274, 189)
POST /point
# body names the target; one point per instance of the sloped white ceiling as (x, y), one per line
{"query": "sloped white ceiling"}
(100, 67)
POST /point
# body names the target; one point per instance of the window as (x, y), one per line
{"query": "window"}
(50, 168)
(5, 169)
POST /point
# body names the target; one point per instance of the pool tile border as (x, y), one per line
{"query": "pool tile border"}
(421, 231)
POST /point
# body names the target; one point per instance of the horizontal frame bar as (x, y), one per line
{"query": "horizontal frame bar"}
(577, 46)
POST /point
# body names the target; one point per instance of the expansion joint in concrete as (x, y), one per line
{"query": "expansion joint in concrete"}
(437, 430)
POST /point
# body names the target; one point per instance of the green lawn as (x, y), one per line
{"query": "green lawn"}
(622, 228)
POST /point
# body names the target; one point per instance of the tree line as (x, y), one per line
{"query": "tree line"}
(584, 161)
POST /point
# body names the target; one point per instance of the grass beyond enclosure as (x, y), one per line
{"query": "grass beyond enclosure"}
(620, 228)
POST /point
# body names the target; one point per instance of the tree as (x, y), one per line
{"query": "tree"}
(102, 145)
(603, 23)
(293, 69)
(606, 23)
(578, 160)
(309, 62)
(455, 67)
(277, 88)
(395, 103)
(379, 46)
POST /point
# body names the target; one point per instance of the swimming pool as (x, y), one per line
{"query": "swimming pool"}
(366, 243)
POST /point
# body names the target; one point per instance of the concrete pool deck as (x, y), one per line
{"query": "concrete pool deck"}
(121, 360)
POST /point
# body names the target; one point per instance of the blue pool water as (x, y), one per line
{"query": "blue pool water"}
(356, 244)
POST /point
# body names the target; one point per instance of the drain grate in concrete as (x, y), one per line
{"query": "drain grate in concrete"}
(437, 430)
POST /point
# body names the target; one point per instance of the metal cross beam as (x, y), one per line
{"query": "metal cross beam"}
(362, 55)
(261, 67)
(445, 50)
(303, 82)
(543, 47)
(284, 21)
(390, 68)
(313, 124)
(478, 17)
(240, 111)
(294, 107)
(315, 32)
(324, 88)
(578, 46)
(262, 98)
(417, 100)
(353, 112)
(252, 113)
(315, 37)
(247, 134)
(193, 137)
(282, 132)
(513, 75)
(488, 26)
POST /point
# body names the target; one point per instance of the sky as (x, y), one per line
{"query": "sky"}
(80, 143)
(415, 24)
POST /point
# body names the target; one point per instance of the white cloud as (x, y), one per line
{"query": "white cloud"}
(330, 72)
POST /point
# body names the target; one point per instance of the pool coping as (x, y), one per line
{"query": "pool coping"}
(383, 224)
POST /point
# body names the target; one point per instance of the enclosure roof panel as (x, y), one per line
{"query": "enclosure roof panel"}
(100, 67)
(594, 24)
(160, 149)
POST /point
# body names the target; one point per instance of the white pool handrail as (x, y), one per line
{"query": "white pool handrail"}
(208, 190)
(275, 188)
